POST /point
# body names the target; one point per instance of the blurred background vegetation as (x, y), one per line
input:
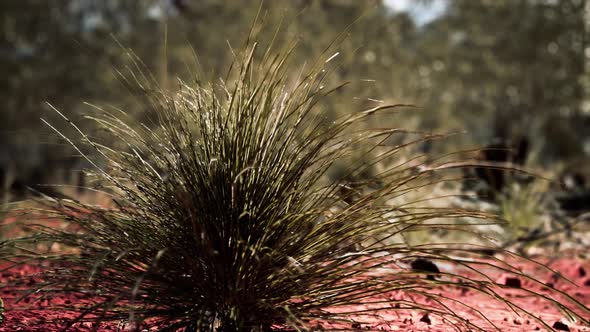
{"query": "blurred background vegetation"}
(494, 68)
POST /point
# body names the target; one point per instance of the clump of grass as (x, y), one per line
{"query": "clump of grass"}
(534, 221)
(222, 218)
(523, 207)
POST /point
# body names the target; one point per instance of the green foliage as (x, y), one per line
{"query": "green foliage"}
(522, 206)
(478, 67)
(510, 67)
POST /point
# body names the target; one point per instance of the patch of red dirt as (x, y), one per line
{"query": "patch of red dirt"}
(23, 316)
(569, 275)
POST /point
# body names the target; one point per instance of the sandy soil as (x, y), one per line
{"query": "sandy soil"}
(25, 316)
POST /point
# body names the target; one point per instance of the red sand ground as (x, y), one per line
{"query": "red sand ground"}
(575, 269)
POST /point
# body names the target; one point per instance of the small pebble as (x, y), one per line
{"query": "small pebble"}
(426, 319)
(581, 271)
(560, 326)
(424, 265)
(513, 282)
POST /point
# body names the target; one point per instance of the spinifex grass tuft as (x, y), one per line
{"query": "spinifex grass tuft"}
(223, 220)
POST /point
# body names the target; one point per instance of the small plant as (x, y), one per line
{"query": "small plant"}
(533, 219)
(523, 207)
(222, 219)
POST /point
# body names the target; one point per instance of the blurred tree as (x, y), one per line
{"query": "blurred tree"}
(491, 67)
(50, 51)
(506, 67)
(63, 52)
